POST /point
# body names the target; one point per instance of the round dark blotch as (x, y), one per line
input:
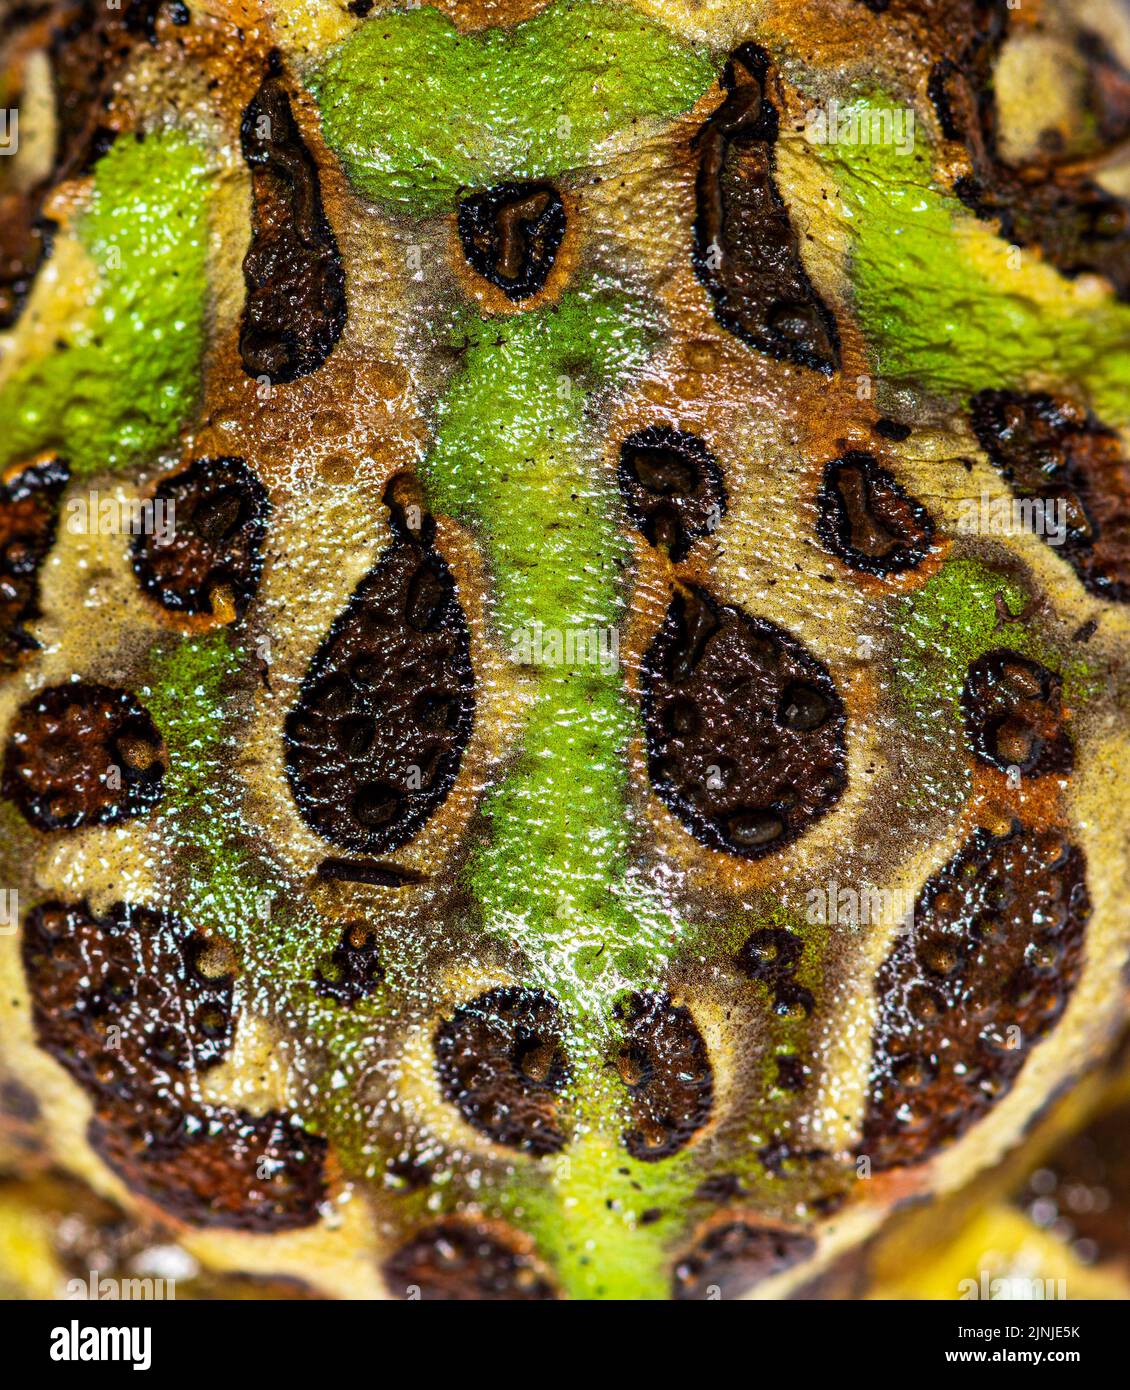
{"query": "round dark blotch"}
(376, 737)
(501, 1060)
(354, 969)
(511, 235)
(122, 1001)
(672, 487)
(83, 754)
(664, 1063)
(212, 1166)
(1014, 717)
(771, 955)
(1071, 473)
(453, 1260)
(720, 1188)
(792, 1072)
(894, 430)
(734, 1254)
(295, 309)
(206, 541)
(745, 728)
(29, 518)
(866, 519)
(996, 952)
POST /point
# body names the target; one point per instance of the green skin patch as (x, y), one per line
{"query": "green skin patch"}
(532, 101)
(512, 458)
(951, 621)
(119, 386)
(948, 306)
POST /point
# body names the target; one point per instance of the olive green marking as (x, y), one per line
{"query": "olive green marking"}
(947, 305)
(532, 102)
(513, 458)
(124, 378)
(188, 695)
(955, 617)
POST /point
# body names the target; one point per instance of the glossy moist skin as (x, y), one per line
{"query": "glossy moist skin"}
(584, 800)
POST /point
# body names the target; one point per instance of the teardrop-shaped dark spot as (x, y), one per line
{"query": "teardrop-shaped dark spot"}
(203, 546)
(29, 518)
(455, 1260)
(122, 1001)
(501, 1060)
(1014, 717)
(83, 754)
(295, 309)
(376, 737)
(745, 729)
(868, 520)
(664, 1063)
(1070, 478)
(995, 954)
(672, 487)
(511, 235)
(746, 251)
(734, 1254)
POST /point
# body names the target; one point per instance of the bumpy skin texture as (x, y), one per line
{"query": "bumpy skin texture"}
(610, 781)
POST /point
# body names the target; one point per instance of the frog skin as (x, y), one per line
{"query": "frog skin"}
(539, 761)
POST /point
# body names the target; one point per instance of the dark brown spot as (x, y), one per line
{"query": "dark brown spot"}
(121, 1000)
(205, 548)
(734, 1254)
(214, 1166)
(1014, 715)
(295, 309)
(501, 1060)
(456, 1261)
(29, 518)
(665, 1065)
(996, 951)
(1078, 225)
(366, 871)
(1058, 457)
(87, 46)
(772, 956)
(354, 970)
(83, 754)
(868, 520)
(511, 235)
(376, 737)
(672, 487)
(746, 252)
(745, 729)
